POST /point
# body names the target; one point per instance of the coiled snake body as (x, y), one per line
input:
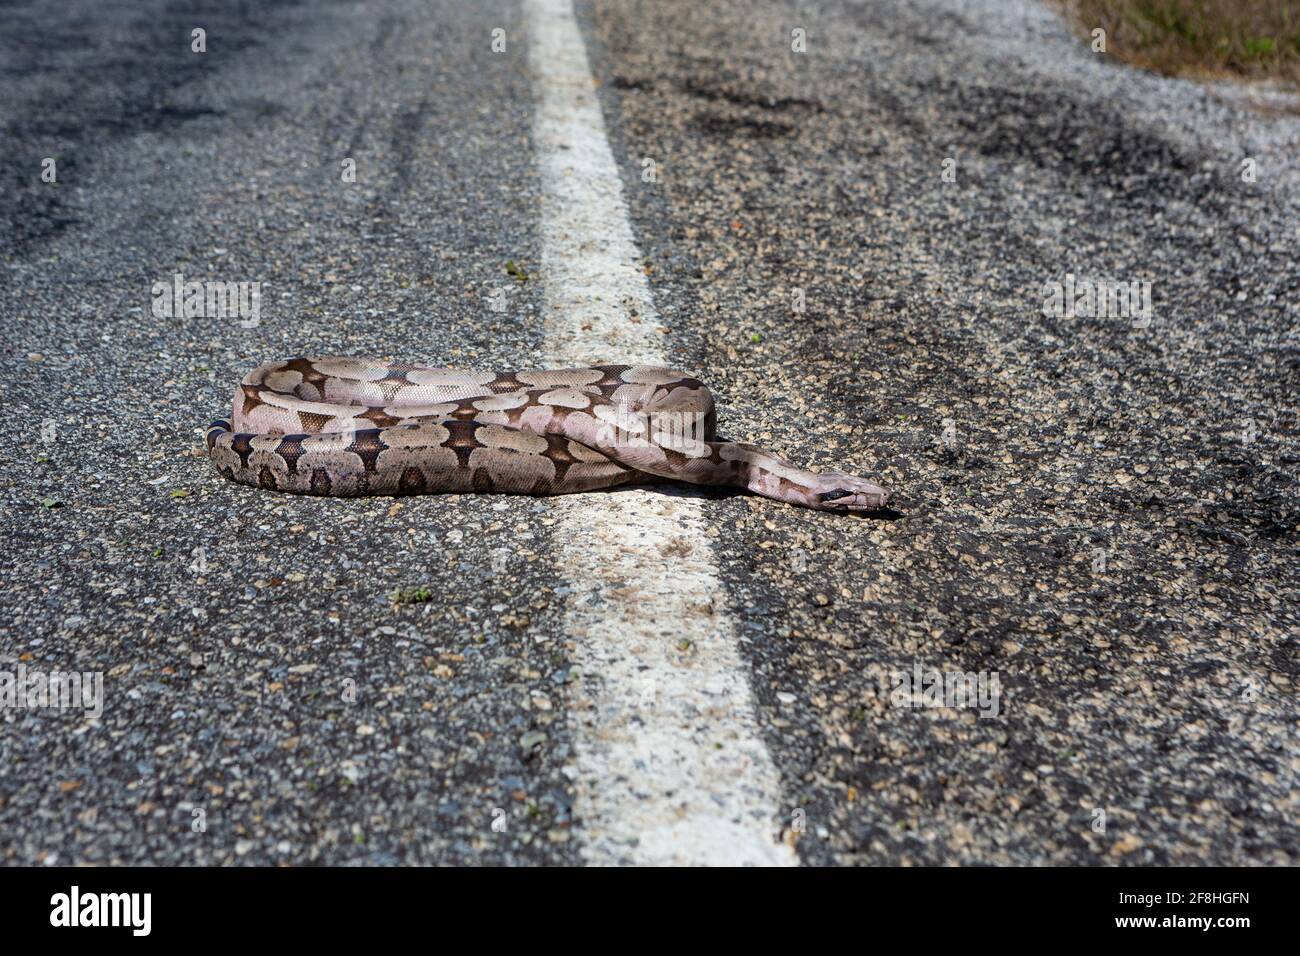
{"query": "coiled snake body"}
(349, 426)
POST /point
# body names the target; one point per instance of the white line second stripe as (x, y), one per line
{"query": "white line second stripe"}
(669, 766)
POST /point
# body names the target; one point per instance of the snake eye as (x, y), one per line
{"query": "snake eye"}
(833, 495)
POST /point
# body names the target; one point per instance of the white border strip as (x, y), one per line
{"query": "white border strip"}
(669, 766)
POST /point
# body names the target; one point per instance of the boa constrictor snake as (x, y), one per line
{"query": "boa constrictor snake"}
(350, 426)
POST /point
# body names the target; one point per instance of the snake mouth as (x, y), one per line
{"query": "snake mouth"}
(842, 499)
(834, 495)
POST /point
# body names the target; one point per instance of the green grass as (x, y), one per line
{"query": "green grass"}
(411, 596)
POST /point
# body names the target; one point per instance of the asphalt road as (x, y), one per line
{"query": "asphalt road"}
(1101, 516)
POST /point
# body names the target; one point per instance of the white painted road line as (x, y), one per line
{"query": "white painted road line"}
(669, 765)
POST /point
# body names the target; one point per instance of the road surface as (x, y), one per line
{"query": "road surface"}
(848, 219)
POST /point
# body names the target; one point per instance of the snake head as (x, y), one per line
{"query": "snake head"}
(836, 491)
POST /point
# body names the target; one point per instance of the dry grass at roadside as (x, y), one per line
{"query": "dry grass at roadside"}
(1258, 39)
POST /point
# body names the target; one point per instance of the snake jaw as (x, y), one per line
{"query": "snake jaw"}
(856, 501)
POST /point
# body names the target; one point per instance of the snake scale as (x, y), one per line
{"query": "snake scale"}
(351, 426)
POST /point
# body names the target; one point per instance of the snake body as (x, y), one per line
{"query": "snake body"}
(351, 426)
